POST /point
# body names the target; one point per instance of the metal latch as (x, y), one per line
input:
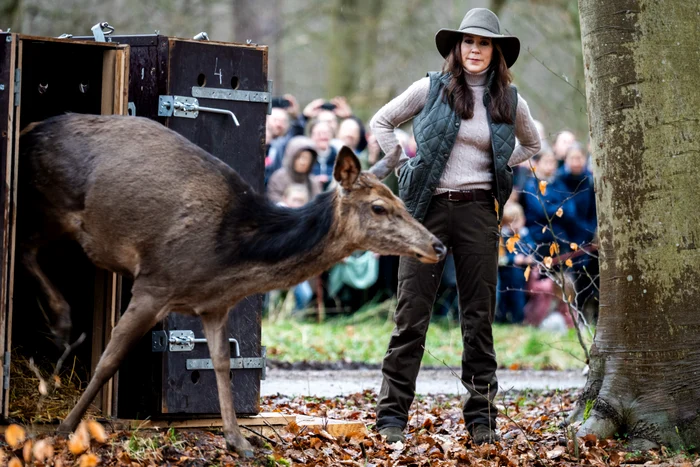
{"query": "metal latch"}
(100, 30)
(18, 85)
(187, 107)
(231, 94)
(237, 363)
(6, 371)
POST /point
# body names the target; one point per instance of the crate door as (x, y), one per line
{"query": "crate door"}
(205, 70)
(7, 199)
(59, 76)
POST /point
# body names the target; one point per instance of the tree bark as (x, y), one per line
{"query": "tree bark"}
(344, 49)
(642, 68)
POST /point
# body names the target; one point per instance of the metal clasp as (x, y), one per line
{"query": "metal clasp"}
(100, 30)
(187, 107)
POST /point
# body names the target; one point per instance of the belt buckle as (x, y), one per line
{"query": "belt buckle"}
(449, 196)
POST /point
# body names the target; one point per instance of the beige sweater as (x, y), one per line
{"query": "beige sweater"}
(469, 164)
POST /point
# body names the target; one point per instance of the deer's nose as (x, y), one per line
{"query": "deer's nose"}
(439, 249)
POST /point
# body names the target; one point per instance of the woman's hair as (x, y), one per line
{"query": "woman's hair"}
(576, 146)
(461, 97)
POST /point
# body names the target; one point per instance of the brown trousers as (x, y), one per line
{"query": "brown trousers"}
(470, 229)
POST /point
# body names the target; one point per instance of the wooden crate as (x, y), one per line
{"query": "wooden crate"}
(44, 77)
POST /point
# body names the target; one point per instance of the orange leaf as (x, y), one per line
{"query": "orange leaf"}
(553, 249)
(43, 450)
(560, 212)
(56, 381)
(495, 202)
(97, 431)
(79, 442)
(510, 244)
(15, 435)
(88, 460)
(548, 261)
(27, 451)
(573, 246)
(543, 187)
(14, 462)
(569, 263)
(527, 273)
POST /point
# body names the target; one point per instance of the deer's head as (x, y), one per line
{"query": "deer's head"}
(375, 219)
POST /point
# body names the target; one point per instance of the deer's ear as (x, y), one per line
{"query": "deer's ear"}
(347, 168)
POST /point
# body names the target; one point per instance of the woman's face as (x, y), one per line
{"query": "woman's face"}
(476, 53)
(547, 165)
(302, 164)
(575, 161)
(321, 134)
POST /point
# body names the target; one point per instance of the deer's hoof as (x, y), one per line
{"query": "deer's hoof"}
(61, 332)
(243, 448)
(63, 430)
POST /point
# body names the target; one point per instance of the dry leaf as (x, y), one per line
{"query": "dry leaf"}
(88, 460)
(79, 442)
(97, 431)
(43, 388)
(27, 451)
(495, 202)
(510, 243)
(43, 450)
(15, 462)
(553, 249)
(573, 246)
(560, 212)
(56, 381)
(569, 263)
(527, 273)
(548, 261)
(15, 435)
(544, 229)
(543, 187)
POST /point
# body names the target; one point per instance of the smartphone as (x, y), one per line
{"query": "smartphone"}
(280, 102)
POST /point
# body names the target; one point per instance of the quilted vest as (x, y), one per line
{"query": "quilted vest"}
(435, 129)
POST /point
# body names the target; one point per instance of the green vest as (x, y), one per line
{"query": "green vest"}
(435, 129)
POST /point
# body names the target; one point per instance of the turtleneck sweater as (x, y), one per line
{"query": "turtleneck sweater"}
(469, 166)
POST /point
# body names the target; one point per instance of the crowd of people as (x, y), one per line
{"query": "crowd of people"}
(553, 202)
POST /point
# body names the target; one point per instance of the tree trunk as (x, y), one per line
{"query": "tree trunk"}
(344, 49)
(642, 68)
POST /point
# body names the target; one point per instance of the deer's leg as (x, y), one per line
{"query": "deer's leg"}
(216, 332)
(143, 313)
(61, 326)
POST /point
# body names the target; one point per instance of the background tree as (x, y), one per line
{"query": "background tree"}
(642, 66)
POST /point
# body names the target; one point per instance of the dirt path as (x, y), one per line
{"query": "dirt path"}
(331, 383)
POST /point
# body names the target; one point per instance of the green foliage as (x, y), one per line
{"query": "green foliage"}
(587, 410)
(364, 336)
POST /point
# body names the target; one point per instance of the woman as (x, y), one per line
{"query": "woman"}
(297, 165)
(466, 121)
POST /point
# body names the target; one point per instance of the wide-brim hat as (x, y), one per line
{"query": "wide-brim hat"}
(479, 22)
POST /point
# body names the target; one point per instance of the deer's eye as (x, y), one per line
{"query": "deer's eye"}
(378, 209)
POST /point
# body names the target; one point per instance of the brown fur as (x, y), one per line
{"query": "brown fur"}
(145, 202)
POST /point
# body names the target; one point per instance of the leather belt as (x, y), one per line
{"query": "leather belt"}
(471, 195)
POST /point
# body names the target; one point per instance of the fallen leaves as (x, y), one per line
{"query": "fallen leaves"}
(15, 436)
(435, 436)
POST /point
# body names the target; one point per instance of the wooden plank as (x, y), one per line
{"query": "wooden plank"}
(108, 81)
(337, 428)
(7, 72)
(12, 224)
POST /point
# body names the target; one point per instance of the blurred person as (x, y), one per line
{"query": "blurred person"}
(578, 183)
(322, 170)
(512, 293)
(281, 124)
(299, 158)
(350, 134)
(465, 123)
(295, 196)
(561, 143)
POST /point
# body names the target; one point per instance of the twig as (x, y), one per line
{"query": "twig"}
(260, 434)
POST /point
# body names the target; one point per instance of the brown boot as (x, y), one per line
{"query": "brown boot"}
(482, 434)
(393, 434)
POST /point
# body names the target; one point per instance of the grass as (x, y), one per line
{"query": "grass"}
(364, 336)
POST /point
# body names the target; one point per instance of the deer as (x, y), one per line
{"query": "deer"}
(145, 202)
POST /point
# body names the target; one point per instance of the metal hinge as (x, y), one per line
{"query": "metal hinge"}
(269, 91)
(187, 107)
(18, 85)
(6, 371)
